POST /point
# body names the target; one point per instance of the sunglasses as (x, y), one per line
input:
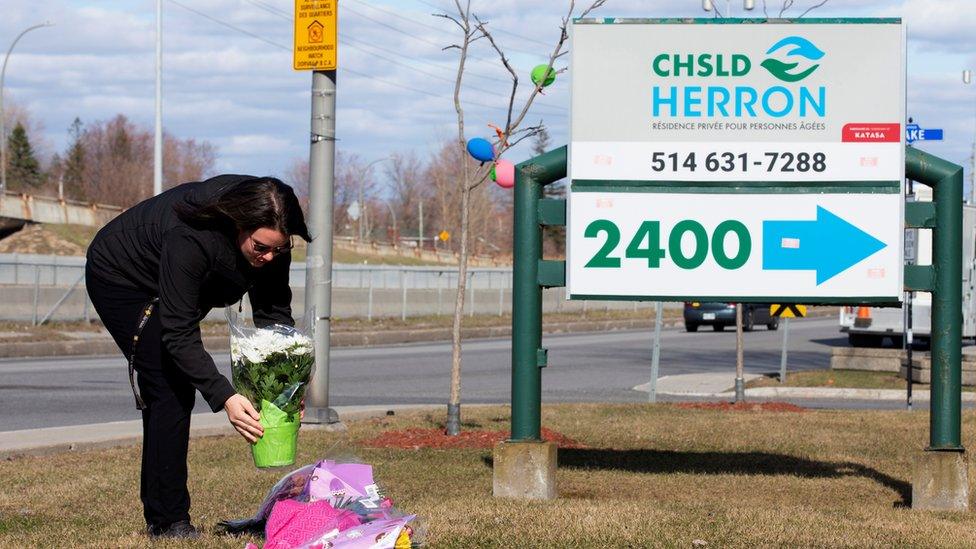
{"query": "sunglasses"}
(261, 248)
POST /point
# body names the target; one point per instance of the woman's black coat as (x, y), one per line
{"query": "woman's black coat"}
(191, 270)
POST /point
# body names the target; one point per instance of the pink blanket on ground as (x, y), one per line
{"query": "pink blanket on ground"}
(293, 523)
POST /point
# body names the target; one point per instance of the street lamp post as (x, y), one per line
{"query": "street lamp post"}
(396, 233)
(3, 130)
(362, 179)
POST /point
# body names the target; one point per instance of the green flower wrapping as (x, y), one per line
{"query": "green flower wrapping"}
(272, 365)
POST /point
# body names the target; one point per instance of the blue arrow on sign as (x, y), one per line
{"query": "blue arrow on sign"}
(829, 245)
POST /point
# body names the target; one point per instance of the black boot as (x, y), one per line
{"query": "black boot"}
(179, 529)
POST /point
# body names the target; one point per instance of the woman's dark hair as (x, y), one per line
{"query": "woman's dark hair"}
(248, 205)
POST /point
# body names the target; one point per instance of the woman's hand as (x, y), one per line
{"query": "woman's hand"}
(244, 418)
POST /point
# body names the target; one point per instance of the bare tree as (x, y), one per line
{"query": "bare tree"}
(406, 175)
(472, 29)
(114, 158)
(350, 174)
(186, 160)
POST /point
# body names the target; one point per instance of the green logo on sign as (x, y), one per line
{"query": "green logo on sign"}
(802, 48)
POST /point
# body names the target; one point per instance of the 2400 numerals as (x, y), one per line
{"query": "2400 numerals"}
(646, 244)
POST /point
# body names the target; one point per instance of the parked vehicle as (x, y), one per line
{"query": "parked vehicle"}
(720, 315)
(870, 326)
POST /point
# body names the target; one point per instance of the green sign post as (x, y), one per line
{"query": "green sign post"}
(940, 480)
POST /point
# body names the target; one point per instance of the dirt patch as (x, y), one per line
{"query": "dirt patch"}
(415, 438)
(35, 239)
(742, 406)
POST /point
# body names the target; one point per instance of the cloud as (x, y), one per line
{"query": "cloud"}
(237, 89)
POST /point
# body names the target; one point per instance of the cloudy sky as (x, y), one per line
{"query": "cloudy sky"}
(227, 75)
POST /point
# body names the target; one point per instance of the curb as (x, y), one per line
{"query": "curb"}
(58, 440)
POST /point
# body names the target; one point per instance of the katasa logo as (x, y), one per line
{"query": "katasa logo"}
(801, 47)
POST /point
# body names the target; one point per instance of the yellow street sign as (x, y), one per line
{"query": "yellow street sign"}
(787, 310)
(316, 35)
(444, 236)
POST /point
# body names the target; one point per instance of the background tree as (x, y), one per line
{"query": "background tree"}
(186, 160)
(73, 165)
(351, 173)
(115, 157)
(474, 175)
(23, 169)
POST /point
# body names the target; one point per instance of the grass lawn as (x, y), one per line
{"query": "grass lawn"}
(650, 475)
(846, 379)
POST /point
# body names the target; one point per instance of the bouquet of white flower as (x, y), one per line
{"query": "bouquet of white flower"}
(272, 367)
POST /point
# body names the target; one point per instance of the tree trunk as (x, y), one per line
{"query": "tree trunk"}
(454, 406)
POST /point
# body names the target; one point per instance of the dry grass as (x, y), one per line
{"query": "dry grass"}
(652, 476)
(54, 331)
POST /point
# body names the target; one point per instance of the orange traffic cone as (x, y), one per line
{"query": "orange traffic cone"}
(863, 319)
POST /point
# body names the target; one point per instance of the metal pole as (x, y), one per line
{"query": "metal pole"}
(3, 130)
(946, 180)
(782, 360)
(37, 291)
(318, 274)
(740, 391)
(471, 288)
(420, 227)
(527, 293)
(908, 349)
(158, 146)
(655, 351)
(369, 306)
(526, 312)
(403, 299)
(946, 306)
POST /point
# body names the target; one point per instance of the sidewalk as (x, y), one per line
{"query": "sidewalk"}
(721, 386)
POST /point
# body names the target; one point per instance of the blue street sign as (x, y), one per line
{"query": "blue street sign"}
(830, 245)
(914, 133)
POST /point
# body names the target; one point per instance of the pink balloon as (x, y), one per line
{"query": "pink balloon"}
(504, 173)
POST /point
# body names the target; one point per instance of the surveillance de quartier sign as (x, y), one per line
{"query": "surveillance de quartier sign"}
(316, 35)
(744, 161)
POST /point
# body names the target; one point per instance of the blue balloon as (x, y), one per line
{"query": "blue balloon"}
(481, 149)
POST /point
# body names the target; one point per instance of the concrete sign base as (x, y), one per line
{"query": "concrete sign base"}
(941, 481)
(524, 470)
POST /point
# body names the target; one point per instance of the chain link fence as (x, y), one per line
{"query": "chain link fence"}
(44, 288)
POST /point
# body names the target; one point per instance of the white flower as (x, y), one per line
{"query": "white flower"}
(257, 347)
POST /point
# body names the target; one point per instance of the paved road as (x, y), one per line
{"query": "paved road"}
(582, 368)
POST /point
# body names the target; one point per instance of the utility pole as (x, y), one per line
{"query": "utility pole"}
(158, 144)
(3, 130)
(316, 41)
(318, 270)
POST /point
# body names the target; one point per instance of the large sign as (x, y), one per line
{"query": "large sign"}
(316, 35)
(743, 161)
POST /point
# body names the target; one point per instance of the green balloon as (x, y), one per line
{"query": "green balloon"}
(539, 74)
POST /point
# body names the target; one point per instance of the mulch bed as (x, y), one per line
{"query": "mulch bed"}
(743, 406)
(415, 438)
